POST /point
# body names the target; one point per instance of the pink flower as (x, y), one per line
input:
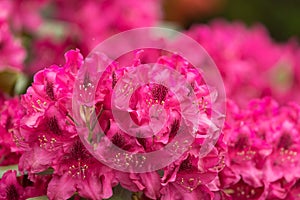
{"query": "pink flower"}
(148, 182)
(294, 190)
(96, 21)
(53, 84)
(243, 191)
(245, 51)
(78, 171)
(47, 125)
(11, 113)
(10, 189)
(284, 136)
(46, 51)
(263, 147)
(52, 140)
(13, 187)
(46, 135)
(192, 177)
(23, 15)
(12, 54)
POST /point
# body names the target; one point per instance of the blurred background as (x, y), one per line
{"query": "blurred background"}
(282, 18)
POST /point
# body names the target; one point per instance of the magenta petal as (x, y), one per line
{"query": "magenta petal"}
(151, 180)
(61, 187)
(9, 186)
(97, 186)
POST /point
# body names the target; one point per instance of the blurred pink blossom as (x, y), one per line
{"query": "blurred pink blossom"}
(11, 113)
(96, 20)
(263, 148)
(251, 63)
(12, 54)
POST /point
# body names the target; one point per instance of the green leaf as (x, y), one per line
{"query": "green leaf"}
(4, 169)
(8, 80)
(120, 193)
(13, 82)
(21, 84)
(38, 198)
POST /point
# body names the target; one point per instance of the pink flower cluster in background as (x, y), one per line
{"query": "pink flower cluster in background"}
(251, 63)
(50, 28)
(263, 150)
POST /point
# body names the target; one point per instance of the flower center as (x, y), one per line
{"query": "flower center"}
(241, 143)
(12, 193)
(78, 151)
(159, 93)
(118, 140)
(53, 126)
(285, 141)
(186, 165)
(242, 190)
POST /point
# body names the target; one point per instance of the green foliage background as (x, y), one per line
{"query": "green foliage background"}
(281, 17)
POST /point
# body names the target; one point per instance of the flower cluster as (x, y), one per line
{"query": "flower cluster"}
(47, 35)
(263, 151)
(44, 151)
(12, 52)
(245, 52)
(11, 113)
(50, 140)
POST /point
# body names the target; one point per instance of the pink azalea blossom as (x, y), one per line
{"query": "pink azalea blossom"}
(52, 141)
(11, 113)
(192, 177)
(293, 191)
(149, 183)
(245, 51)
(13, 187)
(46, 135)
(119, 16)
(47, 125)
(263, 148)
(78, 171)
(12, 54)
(10, 188)
(22, 14)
